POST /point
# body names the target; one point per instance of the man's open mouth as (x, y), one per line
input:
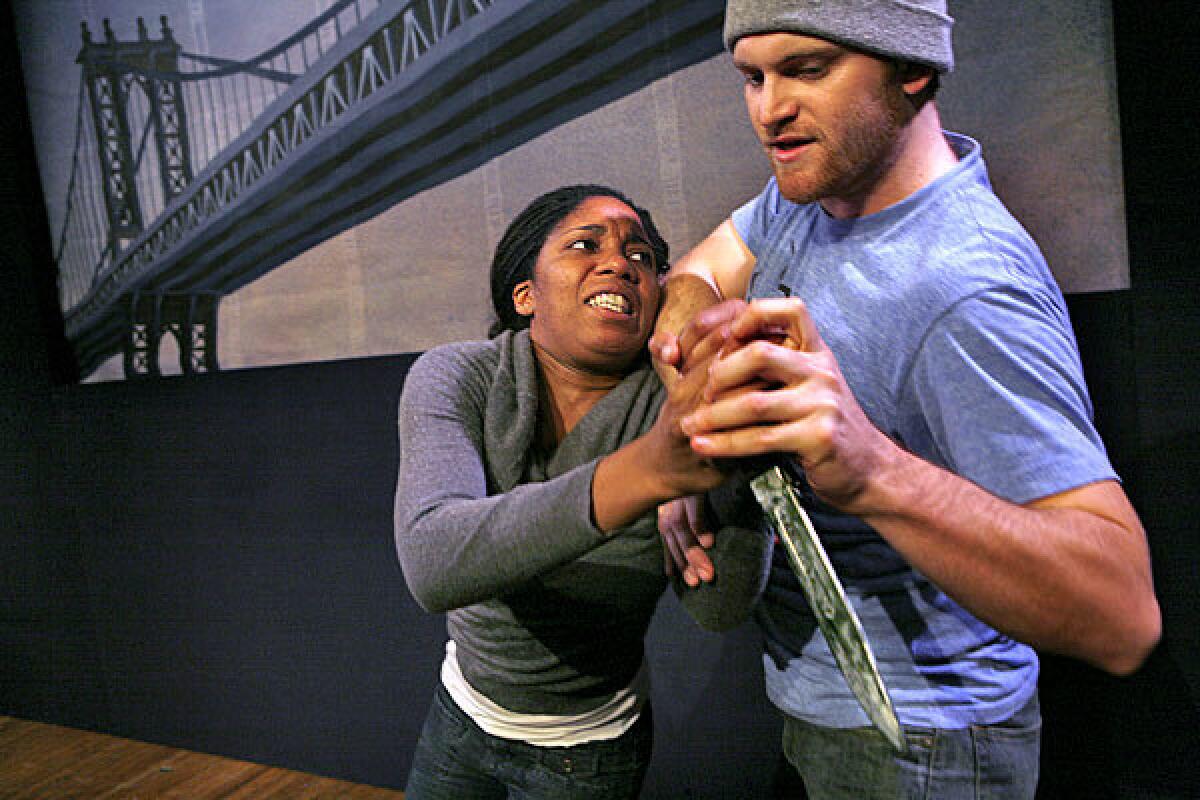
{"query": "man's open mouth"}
(789, 142)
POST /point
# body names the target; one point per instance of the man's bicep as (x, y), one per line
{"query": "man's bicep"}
(716, 269)
(722, 259)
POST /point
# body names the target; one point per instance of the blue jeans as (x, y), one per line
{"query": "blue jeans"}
(456, 760)
(986, 762)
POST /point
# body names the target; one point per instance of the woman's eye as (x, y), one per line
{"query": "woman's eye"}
(588, 245)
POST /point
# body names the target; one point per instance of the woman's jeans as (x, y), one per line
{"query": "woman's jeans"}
(986, 762)
(456, 760)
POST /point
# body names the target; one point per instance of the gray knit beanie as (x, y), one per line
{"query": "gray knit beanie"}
(909, 30)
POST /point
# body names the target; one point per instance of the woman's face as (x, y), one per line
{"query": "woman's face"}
(594, 294)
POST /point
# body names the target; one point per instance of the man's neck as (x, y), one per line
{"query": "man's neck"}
(922, 155)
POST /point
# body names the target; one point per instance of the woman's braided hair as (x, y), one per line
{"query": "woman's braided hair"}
(521, 243)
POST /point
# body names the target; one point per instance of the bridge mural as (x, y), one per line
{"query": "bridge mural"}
(193, 174)
(235, 184)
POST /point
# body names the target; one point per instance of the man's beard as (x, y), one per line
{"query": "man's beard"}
(853, 154)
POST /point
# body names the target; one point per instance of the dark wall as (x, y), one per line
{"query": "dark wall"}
(207, 562)
(200, 562)
(1139, 737)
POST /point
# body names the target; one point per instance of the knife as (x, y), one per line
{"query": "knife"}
(838, 621)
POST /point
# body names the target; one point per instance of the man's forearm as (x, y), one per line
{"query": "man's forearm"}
(1068, 574)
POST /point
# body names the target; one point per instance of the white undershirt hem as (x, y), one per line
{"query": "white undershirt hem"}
(608, 721)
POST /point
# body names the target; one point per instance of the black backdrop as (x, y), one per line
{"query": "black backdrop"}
(207, 562)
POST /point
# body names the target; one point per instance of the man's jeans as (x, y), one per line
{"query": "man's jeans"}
(456, 760)
(992, 762)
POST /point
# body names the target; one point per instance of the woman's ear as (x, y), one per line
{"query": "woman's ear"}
(523, 298)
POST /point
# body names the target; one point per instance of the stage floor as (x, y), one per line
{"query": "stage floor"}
(50, 762)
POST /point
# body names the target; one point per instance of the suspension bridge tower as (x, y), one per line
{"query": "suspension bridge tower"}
(112, 71)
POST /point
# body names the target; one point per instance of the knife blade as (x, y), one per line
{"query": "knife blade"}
(837, 619)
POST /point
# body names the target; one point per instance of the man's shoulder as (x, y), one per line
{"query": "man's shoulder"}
(973, 236)
(966, 233)
(963, 244)
(965, 197)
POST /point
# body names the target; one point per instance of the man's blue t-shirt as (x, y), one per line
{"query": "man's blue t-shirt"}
(954, 338)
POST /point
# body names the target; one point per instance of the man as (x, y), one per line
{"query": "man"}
(910, 350)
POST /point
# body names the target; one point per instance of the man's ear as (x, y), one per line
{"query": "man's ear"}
(915, 78)
(523, 298)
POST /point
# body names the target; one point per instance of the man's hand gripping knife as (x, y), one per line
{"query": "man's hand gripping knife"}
(772, 347)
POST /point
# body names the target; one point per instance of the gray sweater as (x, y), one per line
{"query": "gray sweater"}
(547, 612)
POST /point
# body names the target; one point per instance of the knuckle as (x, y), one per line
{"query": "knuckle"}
(759, 402)
(761, 348)
(775, 438)
(824, 429)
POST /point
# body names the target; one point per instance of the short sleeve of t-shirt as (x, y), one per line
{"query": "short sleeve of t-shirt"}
(997, 390)
(752, 219)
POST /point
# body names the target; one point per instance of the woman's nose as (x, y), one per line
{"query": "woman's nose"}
(620, 265)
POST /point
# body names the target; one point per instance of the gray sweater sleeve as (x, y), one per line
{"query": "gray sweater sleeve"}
(458, 545)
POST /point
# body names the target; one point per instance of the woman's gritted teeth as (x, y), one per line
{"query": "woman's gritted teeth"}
(611, 301)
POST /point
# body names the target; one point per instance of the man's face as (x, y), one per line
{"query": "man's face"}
(828, 117)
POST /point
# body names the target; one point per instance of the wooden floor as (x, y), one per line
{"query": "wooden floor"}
(48, 762)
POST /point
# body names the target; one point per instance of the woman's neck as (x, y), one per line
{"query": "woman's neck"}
(566, 395)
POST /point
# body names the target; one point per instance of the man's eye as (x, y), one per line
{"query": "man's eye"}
(753, 78)
(807, 71)
(588, 245)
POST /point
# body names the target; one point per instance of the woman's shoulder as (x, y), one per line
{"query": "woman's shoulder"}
(454, 367)
(456, 358)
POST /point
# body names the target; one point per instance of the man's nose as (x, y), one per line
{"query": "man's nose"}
(776, 103)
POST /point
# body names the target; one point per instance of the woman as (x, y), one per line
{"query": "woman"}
(530, 467)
